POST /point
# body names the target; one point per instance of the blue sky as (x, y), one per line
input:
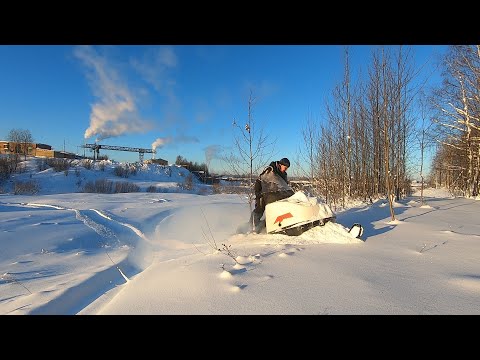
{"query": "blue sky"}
(183, 98)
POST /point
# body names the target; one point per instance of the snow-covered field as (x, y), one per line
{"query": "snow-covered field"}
(177, 252)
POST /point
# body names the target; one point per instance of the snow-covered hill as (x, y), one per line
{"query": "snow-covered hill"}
(168, 178)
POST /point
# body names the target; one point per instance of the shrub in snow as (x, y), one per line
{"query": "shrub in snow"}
(25, 188)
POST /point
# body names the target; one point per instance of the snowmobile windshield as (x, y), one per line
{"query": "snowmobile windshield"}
(273, 183)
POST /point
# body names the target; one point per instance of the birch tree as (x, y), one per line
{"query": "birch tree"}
(251, 148)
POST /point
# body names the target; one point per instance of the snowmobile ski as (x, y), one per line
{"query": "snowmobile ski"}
(356, 230)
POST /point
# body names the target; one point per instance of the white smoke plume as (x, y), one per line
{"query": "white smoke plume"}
(212, 152)
(115, 113)
(160, 142)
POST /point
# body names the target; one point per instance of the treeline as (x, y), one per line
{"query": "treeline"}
(192, 166)
(456, 120)
(360, 147)
(377, 128)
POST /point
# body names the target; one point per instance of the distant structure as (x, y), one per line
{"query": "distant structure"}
(96, 149)
(29, 149)
(157, 161)
(34, 149)
(44, 150)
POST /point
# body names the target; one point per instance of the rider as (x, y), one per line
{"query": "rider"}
(270, 186)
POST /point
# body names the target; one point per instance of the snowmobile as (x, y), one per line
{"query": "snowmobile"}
(298, 213)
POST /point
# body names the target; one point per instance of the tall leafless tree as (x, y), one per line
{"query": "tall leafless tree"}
(309, 153)
(251, 149)
(424, 140)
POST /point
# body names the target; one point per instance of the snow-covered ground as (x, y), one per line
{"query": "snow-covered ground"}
(178, 252)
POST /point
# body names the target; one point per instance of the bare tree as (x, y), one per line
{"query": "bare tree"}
(21, 140)
(387, 125)
(308, 152)
(424, 141)
(251, 147)
(340, 116)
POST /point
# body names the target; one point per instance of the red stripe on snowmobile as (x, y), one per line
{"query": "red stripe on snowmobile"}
(282, 217)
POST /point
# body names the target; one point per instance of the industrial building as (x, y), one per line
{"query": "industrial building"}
(32, 149)
(44, 150)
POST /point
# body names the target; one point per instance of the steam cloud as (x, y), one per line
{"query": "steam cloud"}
(115, 113)
(212, 152)
(160, 142)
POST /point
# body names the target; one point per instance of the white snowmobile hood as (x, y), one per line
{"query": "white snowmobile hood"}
(296, 210)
